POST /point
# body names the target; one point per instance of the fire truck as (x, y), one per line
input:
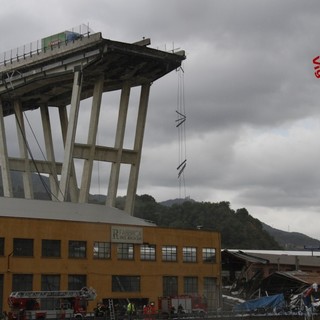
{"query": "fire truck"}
(183, 304)
(40, 305)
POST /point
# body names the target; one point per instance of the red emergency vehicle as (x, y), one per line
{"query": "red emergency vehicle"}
(36, 305)
(183, 304)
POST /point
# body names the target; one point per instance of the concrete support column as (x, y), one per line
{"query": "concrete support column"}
(22, 139)
(134, 171)
(121, 126)
(73, 185)
(47, 133)
(4, 162)
(70, 138)
(92, 136)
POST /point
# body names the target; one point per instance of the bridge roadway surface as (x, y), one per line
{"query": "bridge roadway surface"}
(46, 78)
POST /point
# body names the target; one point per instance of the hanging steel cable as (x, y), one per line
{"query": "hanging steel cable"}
(181, 126)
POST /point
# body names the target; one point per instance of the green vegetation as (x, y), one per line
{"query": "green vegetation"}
(239, 230)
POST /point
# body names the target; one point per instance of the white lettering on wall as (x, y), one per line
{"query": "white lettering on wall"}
(126, 234)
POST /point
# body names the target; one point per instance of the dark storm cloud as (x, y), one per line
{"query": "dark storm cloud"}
(250, 96)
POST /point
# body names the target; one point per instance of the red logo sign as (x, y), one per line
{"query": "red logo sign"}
(316, 62)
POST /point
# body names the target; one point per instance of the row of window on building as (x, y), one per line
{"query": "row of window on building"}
(102, 250)
(120, 283)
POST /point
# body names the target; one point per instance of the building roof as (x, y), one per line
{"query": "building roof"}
(298, 275)
(67, 211)
(285, 259)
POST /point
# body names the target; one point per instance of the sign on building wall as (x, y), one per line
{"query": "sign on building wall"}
(123, 234)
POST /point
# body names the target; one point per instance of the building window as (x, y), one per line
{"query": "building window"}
(49, 282)
(210, 292)
(125, 251)
(77, 281)
(22, 247)
(1, 246)
(170, 286)
(125, 283)
(77, 249)
(148, 252)
(189, 254)
(190, 285)
(51, 248)
(22, 282)
(209, 255)
(102, 250)
(169, 253)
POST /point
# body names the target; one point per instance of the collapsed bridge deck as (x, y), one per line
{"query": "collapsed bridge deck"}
(47, 77)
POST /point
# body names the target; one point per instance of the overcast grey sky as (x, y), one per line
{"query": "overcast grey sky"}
(250, 96)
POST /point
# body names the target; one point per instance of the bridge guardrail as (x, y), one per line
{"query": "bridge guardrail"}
(36, 47)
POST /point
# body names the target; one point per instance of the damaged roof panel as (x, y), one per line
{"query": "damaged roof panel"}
(288, 281)
(244, 256)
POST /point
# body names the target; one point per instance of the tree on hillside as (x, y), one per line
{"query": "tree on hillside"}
(238, 228)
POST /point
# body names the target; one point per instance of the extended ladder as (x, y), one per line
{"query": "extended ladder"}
(87, 293)
(111, 310)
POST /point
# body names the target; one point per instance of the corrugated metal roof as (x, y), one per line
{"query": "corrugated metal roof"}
(67, 211)
(301, 260)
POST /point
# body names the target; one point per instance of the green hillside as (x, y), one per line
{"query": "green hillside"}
(239, 230)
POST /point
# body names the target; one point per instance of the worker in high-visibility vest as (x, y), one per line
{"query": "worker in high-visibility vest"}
(131, 310)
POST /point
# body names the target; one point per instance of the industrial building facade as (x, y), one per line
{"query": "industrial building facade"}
(118, 255)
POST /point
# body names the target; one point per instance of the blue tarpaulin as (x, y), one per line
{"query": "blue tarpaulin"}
(269, 302)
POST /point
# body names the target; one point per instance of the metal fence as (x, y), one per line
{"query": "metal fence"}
(36, 47)
(212, 316)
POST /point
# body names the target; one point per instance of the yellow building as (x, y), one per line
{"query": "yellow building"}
(48, 245)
